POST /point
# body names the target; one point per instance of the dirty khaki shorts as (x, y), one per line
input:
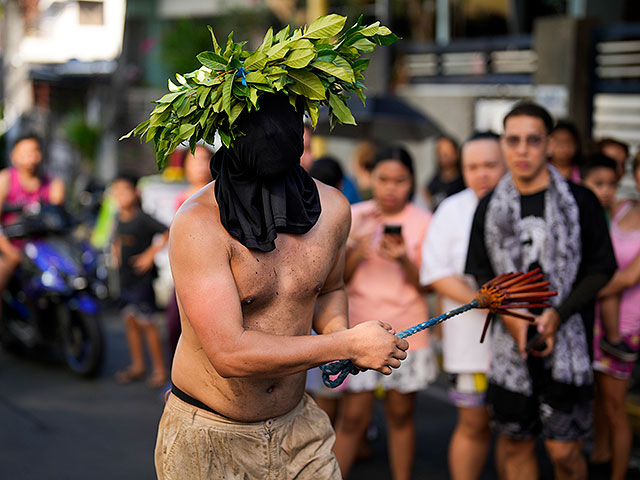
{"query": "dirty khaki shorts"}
(195, 444)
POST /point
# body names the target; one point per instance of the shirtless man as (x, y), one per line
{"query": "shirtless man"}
(246, 342)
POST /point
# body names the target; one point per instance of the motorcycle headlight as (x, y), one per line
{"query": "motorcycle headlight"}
(79, 283)
(31, 250)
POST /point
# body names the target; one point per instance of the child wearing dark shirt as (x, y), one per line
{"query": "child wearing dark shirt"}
(134, 251)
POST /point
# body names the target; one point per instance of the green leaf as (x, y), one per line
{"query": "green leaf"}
(216, 47)
(312, 108)
(268, 41)
(225, 137)
(240, 90)
(364, 45)
(161, 107)
(172, 86)
(301, 43)
(307, 84)
(156, 120)
(326, 26)
(212, 60)
(150, 133)
(335, 70)
(216, 94)
(282, 35)
(226, 93)
(341, 110)
(203, 92)
(326, 55)
(236, 111)
(256, 77)
(228, 50)
(203, 118)
(279, 83)
(372, 29)
(293, 101)
(181, 79)
(300, 58)
(125, 136)
(256, 61)
(169, 97)
(253, 97)
(384, 31)
(185, 109)
(275, 70)
(360, 64)
(264, 87)
(185, 131)
(279, 50)
(385, 39)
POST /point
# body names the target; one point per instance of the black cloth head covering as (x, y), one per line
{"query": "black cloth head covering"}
(260, 186)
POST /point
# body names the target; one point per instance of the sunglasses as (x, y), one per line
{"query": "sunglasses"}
(533, 141)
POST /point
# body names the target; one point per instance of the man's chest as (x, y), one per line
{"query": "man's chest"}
(295, 271)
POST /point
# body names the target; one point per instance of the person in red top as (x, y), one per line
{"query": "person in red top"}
(23, 185)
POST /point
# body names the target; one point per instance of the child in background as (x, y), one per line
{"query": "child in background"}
(599, 175)
(134, 251)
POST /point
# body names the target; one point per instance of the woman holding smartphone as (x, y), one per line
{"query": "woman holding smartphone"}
(382, 283)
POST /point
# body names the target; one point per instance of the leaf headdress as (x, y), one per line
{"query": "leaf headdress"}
(305, 64)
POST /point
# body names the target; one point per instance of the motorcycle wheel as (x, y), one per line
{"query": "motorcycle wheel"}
(16, 334)
(82, 342)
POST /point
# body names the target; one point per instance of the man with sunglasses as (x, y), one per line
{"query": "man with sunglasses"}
(540, 377)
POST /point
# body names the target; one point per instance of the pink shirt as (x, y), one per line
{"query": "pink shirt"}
(626, 245)
(378, 289)
(18, 196)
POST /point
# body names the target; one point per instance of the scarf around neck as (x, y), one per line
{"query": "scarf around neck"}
(505, 233)
(260, 187)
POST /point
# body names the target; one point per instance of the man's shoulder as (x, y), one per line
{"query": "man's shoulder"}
(456, 201)
(198, 217)
(336, 210)
(333, 201)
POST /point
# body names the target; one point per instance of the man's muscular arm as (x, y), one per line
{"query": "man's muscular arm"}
(331, 306)
(330, 313)
(209, 297)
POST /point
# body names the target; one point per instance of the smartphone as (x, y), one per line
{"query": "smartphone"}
(393, 229)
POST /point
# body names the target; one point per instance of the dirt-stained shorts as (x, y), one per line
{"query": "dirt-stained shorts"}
(195, 444)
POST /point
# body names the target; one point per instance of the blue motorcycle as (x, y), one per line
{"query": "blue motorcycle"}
(52, 300)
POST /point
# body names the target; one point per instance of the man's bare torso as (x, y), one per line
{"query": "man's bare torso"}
(278, 292)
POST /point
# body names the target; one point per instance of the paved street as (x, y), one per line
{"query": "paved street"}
(56, 426)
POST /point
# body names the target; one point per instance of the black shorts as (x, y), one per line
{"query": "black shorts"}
(560, 412)
(139, 299)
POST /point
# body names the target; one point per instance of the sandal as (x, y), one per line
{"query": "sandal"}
(129, 375)
(157, 380)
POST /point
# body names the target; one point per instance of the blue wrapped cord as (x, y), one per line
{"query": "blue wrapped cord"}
(343, 368)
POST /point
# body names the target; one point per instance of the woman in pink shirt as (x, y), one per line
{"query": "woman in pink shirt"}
(382, 283)
(22, 185)
(621, 297)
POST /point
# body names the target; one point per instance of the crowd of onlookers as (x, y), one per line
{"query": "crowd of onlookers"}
(535, 196)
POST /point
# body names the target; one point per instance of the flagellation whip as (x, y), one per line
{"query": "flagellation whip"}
(502, 295)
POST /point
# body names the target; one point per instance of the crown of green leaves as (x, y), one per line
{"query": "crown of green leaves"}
(312, 65)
